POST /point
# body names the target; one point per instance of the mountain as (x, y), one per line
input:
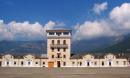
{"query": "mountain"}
(38, 47)
(21, 47)
(93, 45)
(122, 46)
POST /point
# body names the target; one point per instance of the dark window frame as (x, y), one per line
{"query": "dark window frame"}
(102, 63)
(64, 63)
(52, 56)
(64, 42)
(58, 41)
(14, 62)
(53, 42)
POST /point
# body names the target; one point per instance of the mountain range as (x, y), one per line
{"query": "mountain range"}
(39, 47)
(122, 46)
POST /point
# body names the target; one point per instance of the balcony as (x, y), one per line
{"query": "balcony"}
(58, 45)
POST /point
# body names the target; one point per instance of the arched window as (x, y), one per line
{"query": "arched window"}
(64, 41)
(58, 49)
(88, 64)
(22, 63)
(80, 63)
(53, 42)
(29, 63)
(43, 62)
(58, 41)
(52, 49)
(109, 63)
(58, 55)
(36, 62)
(7, 63)
(102, 63)
(64, 56)
(14, 62)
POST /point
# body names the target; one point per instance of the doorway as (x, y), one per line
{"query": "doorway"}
(50, 64)
(109, 63)
(7, 63)
(88, 64)
(58, 64)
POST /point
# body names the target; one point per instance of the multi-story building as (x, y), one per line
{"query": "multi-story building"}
(59, 55)
(58, 47)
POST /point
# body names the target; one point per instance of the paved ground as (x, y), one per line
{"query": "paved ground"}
(65, 72)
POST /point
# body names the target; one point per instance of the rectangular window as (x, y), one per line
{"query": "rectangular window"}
(66, 33)
(52, 56)
(64, 63)
(124, 62)
(58, 33)
(64, 49)
(64, 56)
(95, 63)
(117, 62)
(73, 63)
(51, 33)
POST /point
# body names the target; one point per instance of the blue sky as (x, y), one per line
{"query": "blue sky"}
(67, 11)
(70, 13)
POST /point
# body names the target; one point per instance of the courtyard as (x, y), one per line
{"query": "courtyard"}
(8, 72)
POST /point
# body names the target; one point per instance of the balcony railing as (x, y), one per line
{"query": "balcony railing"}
(58, 45)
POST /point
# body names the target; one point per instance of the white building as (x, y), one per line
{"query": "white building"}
(59, 55)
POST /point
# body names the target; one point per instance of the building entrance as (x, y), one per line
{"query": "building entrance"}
(50, 64)
(58, 64)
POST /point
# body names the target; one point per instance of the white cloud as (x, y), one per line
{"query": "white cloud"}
(25, 30)
(121, 16)
(98, 8)
(52, 25)
(117, 24)
(93, 29)
(4, 33)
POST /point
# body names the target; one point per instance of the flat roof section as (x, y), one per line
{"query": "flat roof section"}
(59, 30)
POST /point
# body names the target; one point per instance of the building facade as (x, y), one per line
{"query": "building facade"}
(59, 55)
